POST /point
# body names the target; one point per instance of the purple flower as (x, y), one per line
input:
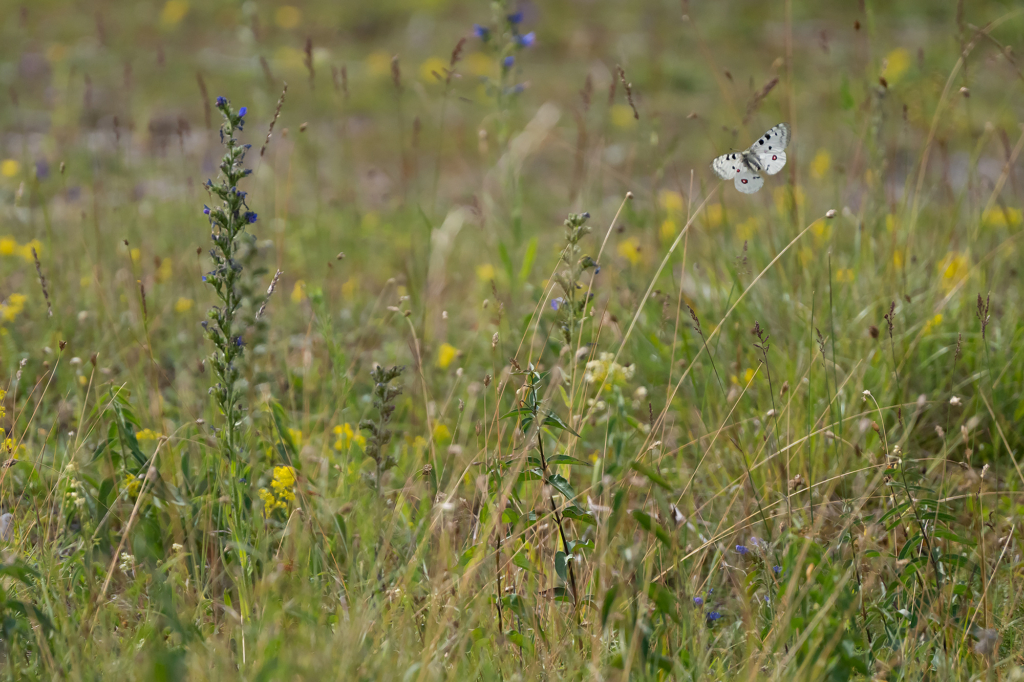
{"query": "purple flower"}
(526, 40)
(508, 62)
(206, 210)
(777, 569)
(697, 601)
(222, 101)
(481, 32)
(742, 550)
(713, 616)
(556, 302)
(250, 217)
(515, 18)
(242, 112)
(239, 342)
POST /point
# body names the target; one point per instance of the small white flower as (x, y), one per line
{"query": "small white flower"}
(954, 401)
(831, 213)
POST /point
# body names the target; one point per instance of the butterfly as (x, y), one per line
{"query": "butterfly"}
(767, 155)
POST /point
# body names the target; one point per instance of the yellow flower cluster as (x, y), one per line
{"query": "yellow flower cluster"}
(132, 484)
(347, 436)
(148, 434)
(12, 307)
(605, 368)
(9, 246)
(281, 495)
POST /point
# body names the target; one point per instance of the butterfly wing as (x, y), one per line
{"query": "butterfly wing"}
(773, 161)
(727, 166)
(748, 182)
(775, 140)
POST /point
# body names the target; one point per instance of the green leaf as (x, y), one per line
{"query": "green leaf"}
(845, 96)
(910, 545)
(506, 261)
(575, 513)
(554, 420)
(664, 600)
(650, 473)
(651, 526)
(469, 555)
(518, 412)
(571, 461)
(565, 396)
(509, 515)
(520, 559)
(953, 537)
(528, 258)
(609, 600)
(898, 509)
(562, 486)
(560, 567)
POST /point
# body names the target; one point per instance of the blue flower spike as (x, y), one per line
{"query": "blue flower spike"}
(526, 40)
(742, 550)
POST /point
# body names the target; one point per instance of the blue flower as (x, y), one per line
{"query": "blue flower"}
(508, 61)
(242, 112)
(206, 210)
(222, 101)
(741, 549)
(777, 569)
(697, 601)
(250, 217)
(515, 18)
(713, 616)
(239, 342)
(481, 32)
(526, 40)
(556, 302)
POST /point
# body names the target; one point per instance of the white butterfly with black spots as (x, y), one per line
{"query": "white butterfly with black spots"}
(767, 155)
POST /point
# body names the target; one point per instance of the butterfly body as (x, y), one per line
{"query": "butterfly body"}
(745, 168)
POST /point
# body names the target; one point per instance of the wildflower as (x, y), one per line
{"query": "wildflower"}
(954, 401)
(777, 570)
(127, 562)
(148, 434)
(175, 547)
(481, 32)
(206, 210)
(239, 341)
(446, 354)
(556, 302)
(515, 18)
(713, 616)
(526, 40)
(243, 111)
(606, 370)
(250, 217)
(742, 550)
(697, 601)
(509, 61)
(222, 101)
(347, 436)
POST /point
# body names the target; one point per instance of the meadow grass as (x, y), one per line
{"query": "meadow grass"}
(487, 375)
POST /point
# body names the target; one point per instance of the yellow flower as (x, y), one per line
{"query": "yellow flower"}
(164, 271)
(714, 215)
(132, 484)
(136, 255)
(480, 64)
(270, 503)
(820, 164)
(26, 250)
(844, 275)
(605, 370)
(441, 433)
(296, 435)
(299, 292)
(284, 480)
(432, 66)
(821, 230)
(896, 64)
(173, 12)
(485, 272)
(994, 217)
(9, 168)
(8, 246)
(933, 323)
(378, 63)
(953, 268)
(12, 307)
(630, 250)
(671, 201)
(287, 16)
(622, 116)
(446, 354)
(183, 305)
(148, 434)
(347, 436)
(668, 230)
(897, 258)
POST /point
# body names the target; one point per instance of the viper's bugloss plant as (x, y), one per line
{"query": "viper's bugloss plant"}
(232, 246)
(571, 306)
(384, 395)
